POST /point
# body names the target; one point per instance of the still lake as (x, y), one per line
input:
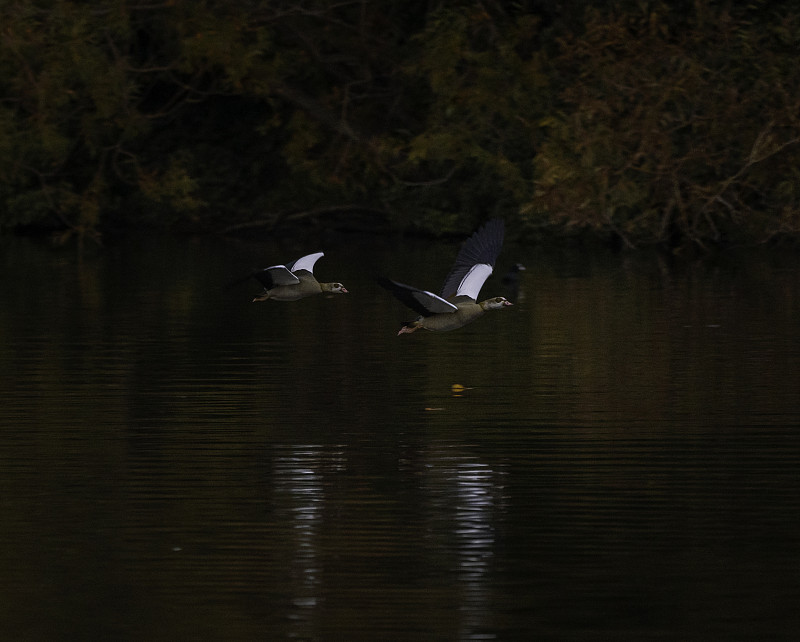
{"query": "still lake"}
(615, 457)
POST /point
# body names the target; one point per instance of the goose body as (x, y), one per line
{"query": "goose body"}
(458, 303)
(294, 281)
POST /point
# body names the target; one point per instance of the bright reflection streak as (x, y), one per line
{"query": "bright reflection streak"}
(468, 494)
(474, 485)
(299, 488)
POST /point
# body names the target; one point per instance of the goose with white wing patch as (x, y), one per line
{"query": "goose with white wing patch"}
(294, 281)
(458, 303)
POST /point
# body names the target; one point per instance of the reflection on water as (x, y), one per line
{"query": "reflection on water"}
(298, 487)
(466, 510)
(454, 529)
(619, 461)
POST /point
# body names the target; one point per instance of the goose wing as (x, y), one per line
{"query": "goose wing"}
(275, 275)
(475, 261)
(472, 282)
(421, 301)
(306, 262)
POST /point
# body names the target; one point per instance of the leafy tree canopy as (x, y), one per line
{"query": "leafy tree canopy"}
(644, 122)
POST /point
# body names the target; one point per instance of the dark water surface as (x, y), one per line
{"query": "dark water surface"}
(177, 463)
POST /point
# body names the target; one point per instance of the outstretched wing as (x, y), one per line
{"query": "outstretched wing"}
(475, 261)
(306, 262)
(421, 301)
(473, 281)
(275, 275)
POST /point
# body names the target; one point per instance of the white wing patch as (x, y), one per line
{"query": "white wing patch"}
(307, 262)
(432, 302)
(473, 281)
(281, 275)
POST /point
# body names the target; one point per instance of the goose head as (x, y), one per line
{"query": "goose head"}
(496, 303)
(333, 288)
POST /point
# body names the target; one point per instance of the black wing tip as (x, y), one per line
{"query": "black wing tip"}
(404, 294)
(482, 247)
(495, 227)
(387, 284)
(495, 222)
(263, 277)
(393, 286)
(487, 238)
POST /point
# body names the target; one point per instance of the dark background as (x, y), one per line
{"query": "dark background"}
(633, 123)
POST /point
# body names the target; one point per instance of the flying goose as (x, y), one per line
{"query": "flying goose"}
(294, 281)
(457, 304)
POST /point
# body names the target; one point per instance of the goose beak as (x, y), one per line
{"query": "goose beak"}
(507, 303)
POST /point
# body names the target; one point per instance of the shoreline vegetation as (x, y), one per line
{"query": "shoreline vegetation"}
(628, 123)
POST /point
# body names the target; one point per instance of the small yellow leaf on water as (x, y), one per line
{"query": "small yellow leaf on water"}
(457, 387)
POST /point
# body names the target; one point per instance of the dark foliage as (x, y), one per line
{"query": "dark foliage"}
(639, 122)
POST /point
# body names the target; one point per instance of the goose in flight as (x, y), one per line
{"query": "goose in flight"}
(457, 304)
(294, 281)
